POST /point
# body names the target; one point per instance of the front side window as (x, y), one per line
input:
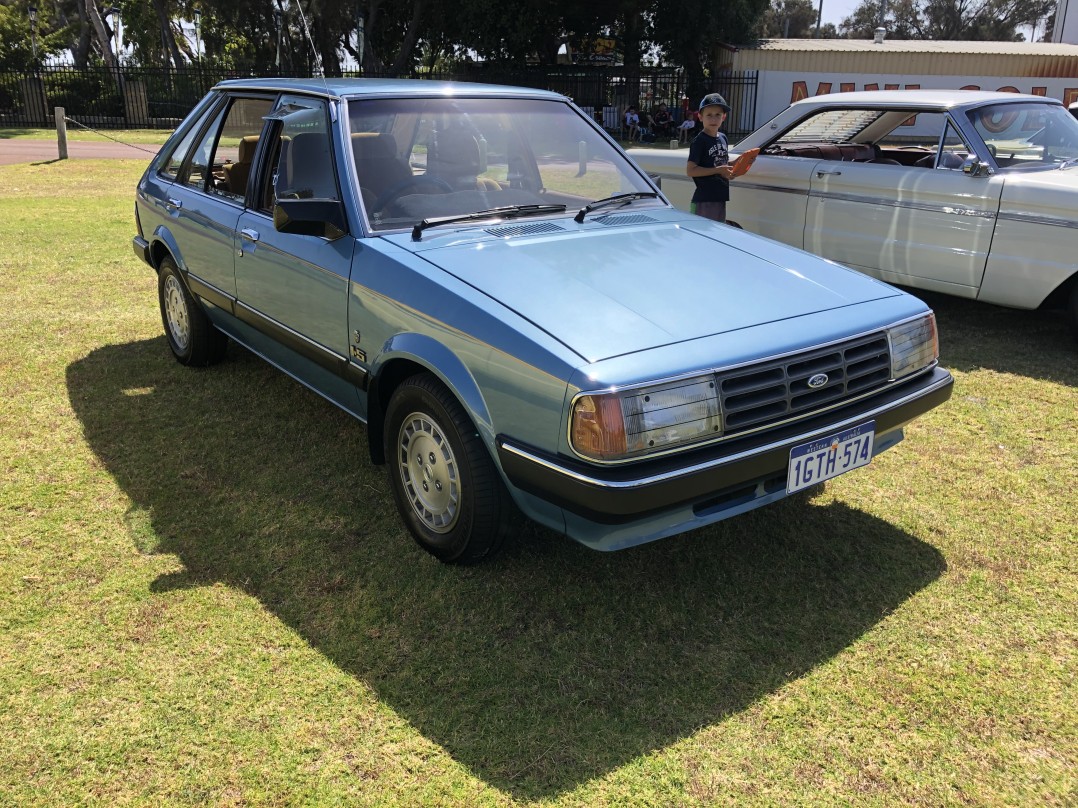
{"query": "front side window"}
(431, 157)
(300, 157)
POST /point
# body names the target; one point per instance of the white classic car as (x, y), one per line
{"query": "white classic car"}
(967, 193)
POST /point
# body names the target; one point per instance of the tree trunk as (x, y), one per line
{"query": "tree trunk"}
(404, 61)
(168, 39)
(104, 41)
(80, 51)
(372, 62)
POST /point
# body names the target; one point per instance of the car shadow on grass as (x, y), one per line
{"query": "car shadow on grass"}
(539, 671)
(1035, 344)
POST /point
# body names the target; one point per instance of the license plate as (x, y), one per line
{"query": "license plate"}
(823, 459)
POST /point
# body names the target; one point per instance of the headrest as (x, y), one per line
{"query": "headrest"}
(373, 146)
(457, 149)
(247, 148)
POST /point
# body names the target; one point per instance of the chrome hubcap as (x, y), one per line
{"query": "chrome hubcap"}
(179, 326)
(429, 472)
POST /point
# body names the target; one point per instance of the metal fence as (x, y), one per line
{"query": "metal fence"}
(137, 98)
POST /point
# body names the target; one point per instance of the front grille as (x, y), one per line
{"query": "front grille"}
(774, 391)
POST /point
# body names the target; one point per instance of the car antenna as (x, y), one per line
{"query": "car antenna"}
(310, 41)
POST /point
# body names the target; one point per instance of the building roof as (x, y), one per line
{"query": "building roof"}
(924, 46)
(909, 57)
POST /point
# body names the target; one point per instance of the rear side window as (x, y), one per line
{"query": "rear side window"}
(179, 154)
(221, 161)
(231, 162)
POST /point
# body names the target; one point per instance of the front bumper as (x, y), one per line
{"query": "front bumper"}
(622, 494)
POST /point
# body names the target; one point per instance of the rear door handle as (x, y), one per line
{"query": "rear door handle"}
(249, 234)
(828, 173)
(175, 203)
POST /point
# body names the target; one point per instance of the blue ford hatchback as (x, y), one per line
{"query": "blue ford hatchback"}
(510, 304)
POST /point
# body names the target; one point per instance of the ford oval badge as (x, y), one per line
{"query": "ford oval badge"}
(817, 381)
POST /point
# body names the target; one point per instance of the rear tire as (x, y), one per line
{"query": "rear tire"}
(446, 487)
(191, 336)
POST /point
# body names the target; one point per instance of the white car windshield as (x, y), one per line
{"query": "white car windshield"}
(421, 158)
(1027, 136)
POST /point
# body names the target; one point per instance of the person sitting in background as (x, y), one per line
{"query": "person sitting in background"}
(632, 124)
(688, 126)
(661, 122)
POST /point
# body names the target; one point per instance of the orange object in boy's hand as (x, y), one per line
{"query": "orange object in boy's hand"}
(744, 162)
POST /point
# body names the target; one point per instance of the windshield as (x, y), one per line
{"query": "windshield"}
(1021, 136)
(420, 158)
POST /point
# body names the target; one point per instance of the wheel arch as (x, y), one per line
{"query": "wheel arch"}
(407, 355)
(1059, 296)
(163, 245)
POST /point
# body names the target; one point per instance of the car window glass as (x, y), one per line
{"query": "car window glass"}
(236, 144)
(302, 158)
(1033, 135)
(198, 170)
(953, 150)
(437, 157)
(831, 126)
(179, 154)
(923, 130)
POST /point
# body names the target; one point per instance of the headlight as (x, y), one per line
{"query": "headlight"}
(643, 420)
(914, 346)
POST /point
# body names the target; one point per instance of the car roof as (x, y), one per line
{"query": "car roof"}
(339, 88)
(940, 99)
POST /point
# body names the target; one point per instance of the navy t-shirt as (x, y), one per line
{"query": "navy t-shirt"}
(708, 152)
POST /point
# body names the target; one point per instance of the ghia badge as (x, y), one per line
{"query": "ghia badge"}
(818, 381)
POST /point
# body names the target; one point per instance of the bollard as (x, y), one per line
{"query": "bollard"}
(61, 132)
(673, 143)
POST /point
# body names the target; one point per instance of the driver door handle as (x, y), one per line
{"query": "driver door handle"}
(822, 173)
(249, 234)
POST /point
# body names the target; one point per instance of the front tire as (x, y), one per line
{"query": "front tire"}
(191, 336)
(445, 485)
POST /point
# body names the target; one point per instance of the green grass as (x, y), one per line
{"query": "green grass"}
(76, 132)
(207, 597)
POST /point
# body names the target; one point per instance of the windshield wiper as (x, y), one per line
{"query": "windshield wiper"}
(504, 212)
(1068, 163)
(616, 199)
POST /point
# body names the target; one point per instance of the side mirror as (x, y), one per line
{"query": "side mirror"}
(310, 217)
(973, 167)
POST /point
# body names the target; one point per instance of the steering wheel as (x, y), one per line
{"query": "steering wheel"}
(398, 190)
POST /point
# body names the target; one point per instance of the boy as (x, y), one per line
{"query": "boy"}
(708, 163)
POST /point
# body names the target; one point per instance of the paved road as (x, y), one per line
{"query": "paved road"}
(37, 151)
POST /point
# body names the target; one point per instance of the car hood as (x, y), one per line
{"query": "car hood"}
(606, 290)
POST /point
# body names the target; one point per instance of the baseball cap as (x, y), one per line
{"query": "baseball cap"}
(713, 100)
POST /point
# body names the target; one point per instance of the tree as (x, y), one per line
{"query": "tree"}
(788, 19)
(690, 34)
(985, 20)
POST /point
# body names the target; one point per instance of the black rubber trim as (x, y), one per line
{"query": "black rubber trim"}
(142, 249)
(211, 293)
(319, 354)
(614, 495)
